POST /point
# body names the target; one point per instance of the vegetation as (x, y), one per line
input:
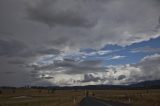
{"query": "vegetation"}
(133, 97)
(40, 97)
(52, 97)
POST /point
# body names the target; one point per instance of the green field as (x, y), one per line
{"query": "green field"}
(42, 97)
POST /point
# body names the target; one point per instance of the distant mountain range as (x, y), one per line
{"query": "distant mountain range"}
(154, 84)
(148, 84)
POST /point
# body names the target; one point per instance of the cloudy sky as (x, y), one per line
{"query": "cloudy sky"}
(79, 42)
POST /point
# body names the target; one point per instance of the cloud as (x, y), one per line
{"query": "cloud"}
(146, 49)
(117, 57)
(16, 62)
(73, 25)
(103, 52)
(92, 77)
(80, 24)
(94, 72)
(52, 13)
(46, 76)
(121, 77)
(99, 52)
(150, 66)
(48, 51)
(9, 47)
(61, 65)
(69, 66)
(95, 23)
(146, 69)
(158, 26)
(3, 33)
(12, 48)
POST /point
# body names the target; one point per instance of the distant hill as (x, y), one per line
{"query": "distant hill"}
(146, 84)
(154, 84)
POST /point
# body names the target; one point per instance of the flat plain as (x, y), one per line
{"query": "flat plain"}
(45, 97)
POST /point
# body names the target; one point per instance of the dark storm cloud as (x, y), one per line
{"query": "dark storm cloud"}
(2, 33)
(74, 24)
(48, 51)
(86, 67)
(65, 63)
(92, 78)
(32, 52)
(92, 63)
(158, 26)
(47, 12)
(9, 47)
(16, 62)
(111, 22)
(71, 66)
(121, 77)
(83, 66)
(59, 41)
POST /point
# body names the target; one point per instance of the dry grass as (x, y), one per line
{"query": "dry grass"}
(35, 97)
(133, 97)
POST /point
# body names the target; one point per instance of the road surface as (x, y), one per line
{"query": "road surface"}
(90, 101)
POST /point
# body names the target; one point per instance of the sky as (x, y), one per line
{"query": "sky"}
(79, 42)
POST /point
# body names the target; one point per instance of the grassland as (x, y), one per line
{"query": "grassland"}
(36, 97)
(133, 97)
(43, 97)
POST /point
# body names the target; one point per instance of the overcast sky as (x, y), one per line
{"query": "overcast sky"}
(79, 42)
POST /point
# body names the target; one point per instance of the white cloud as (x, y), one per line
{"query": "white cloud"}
(117, 57)
(147, 69)
(154, 57)
(83, 72)
(103, 52)
(146, 49)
